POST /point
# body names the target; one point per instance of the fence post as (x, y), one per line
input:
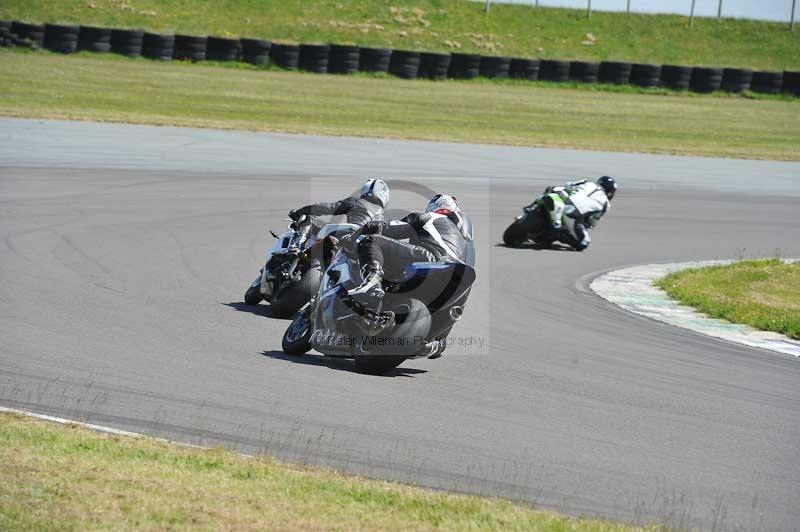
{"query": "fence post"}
(628, 10)
(791, 24)
(589, 9)
(719, 10)
(486, 6)
(691, 15)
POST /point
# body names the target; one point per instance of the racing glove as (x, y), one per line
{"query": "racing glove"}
(369, 228)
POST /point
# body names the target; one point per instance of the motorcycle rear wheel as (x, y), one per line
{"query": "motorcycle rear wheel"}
(394, 346)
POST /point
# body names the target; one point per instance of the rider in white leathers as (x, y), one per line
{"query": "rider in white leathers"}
(575, 208)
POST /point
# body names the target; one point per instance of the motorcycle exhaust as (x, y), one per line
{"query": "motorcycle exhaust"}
(456, 313)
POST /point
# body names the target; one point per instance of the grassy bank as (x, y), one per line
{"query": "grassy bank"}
(66, 477)
(761, 293)
(113, 88)
(445, 25)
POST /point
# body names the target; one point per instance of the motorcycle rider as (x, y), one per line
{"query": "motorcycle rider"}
(367, 207)
(440, 234)
(583, 202)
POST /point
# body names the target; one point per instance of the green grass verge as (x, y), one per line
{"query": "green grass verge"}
(113, 88)
(761, 293)
(445, 25)
(67, 478)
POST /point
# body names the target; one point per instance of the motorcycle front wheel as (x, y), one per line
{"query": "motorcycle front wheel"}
(515, 234)
(291, 297)
(297, 338)
(253, 295)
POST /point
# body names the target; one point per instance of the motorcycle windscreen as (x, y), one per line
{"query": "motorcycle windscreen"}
(281, 243)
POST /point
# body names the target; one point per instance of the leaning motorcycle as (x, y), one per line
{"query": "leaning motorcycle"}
(533, 224)
(292, 272)
(413, 321)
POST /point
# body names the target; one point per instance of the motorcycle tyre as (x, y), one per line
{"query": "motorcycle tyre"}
(515, 234)
(301, 345)
(253, 295)
(292, 297)
(412, 324)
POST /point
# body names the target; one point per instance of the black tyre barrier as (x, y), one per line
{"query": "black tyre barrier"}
(676, 77)
(494, 66)
(190, 48)
(767, 82)
(736, 79)
(645, 75)
(285, 55)
(256, 51)
(404, 64)
(553, 70)
(343, 59)
(520, 68)
(67, 38)
(222, 49)
(93, 39)
(791, 82)
(375, 60)
(314, 57)
(158, 46)
(29, 32)
(464, 66)
(62, 38)
(584, 71)
(5, 35)
(706, 79)
(127, 42)
(614, 72)
(433, 66)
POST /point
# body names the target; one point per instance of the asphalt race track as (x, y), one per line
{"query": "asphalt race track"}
(126, 252)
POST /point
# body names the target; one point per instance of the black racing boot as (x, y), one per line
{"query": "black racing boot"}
(370, 292)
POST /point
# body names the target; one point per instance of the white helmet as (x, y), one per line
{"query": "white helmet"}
(443, 204)
(376, 189)
(448, 205)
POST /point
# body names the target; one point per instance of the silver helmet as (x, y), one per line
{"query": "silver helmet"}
(377, 190)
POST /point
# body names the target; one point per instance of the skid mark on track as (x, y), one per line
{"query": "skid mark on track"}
(81, 253)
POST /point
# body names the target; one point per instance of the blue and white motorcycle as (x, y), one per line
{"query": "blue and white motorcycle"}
(414, 320)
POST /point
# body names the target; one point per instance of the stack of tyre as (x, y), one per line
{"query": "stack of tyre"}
(92, 39)
(62, 38)
(21, 34)
(223, 49)
(344, 59)
(127, 42)
(256, 51)
(407, 64)
(375, 60)
(5, 33)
